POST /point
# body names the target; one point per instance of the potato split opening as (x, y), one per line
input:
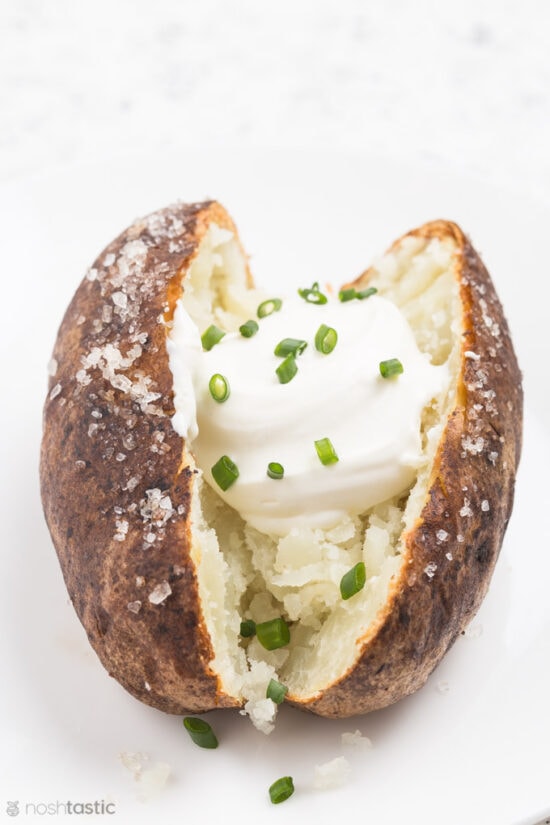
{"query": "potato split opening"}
(245, 574)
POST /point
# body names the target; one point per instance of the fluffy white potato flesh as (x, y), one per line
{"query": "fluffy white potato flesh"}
(246, 574)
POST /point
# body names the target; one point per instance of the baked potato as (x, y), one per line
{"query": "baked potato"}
(162, 570)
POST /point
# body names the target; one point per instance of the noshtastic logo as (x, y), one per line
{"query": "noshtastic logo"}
(97, 807)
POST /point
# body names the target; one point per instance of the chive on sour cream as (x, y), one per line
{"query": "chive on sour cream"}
(371, 422)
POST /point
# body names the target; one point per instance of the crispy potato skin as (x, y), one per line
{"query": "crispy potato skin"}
(470, 497)
(116, 482)
(105, 446)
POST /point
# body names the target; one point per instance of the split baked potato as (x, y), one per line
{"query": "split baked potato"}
(162, 572)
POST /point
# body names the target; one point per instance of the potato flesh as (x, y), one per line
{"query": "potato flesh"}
(245, 574)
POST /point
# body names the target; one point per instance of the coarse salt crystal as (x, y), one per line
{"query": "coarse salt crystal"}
(449, 556)
(109, 259)
(120, 457)
(91, 274)
(485, 506)
(134, 607)
(356, 740)
(140, 581)
(120, 299)
(442, 535)
(332, 774)
(55, 391)
(160, 593)
(474, 631)
(466, 511)
(430, 569)
(52, 366)
(80, 464)
(147, 686)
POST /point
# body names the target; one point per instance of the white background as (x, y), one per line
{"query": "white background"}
(97, 96)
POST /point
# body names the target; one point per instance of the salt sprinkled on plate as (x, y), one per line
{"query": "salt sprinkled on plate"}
(356, 740)
(443, 686)
(332, 774)
(160, 593)
(474, 631)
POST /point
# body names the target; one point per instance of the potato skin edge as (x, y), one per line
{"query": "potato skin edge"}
(424, 614)
(160, 654)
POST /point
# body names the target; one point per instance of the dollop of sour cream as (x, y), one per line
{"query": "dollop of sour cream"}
(373, 423)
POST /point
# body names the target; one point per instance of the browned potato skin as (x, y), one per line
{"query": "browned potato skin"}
(423, 616)
(165, 646)
(161, 654)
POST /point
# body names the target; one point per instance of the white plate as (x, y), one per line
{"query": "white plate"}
(476, 752)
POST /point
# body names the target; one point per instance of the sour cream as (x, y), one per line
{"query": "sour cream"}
(373, 423)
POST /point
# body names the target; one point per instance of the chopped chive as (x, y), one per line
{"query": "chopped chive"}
(269, 307)
(275, 470)
(351, 293)
(287, 369)
(290, 346)
(313, 295)
(325, 451)
(211, 336)
(326, 339)
(225, 472)
(248, 628)
(219, 388)
(347, 294)
(200, 732)
(353, 581)
(391, 368)
(276, 691)
(281, 789)
(249, 328)
(366, 293)
(273, 634)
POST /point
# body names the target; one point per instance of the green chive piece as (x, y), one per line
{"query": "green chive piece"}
(313, 295)
(281, 789)
(211, 336)
(273, 634)
(275, 470)
(325, 451)
(351, 293)
(326, 339)
(347, 294)
(391, 368)
(248, 628)
(353, 581)
(276, 691)
(287, 369)
(200, 732)
(366, 293)
(219, 388)
(225, 472)
(269, 307)
(249, 328)
(290, 346)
